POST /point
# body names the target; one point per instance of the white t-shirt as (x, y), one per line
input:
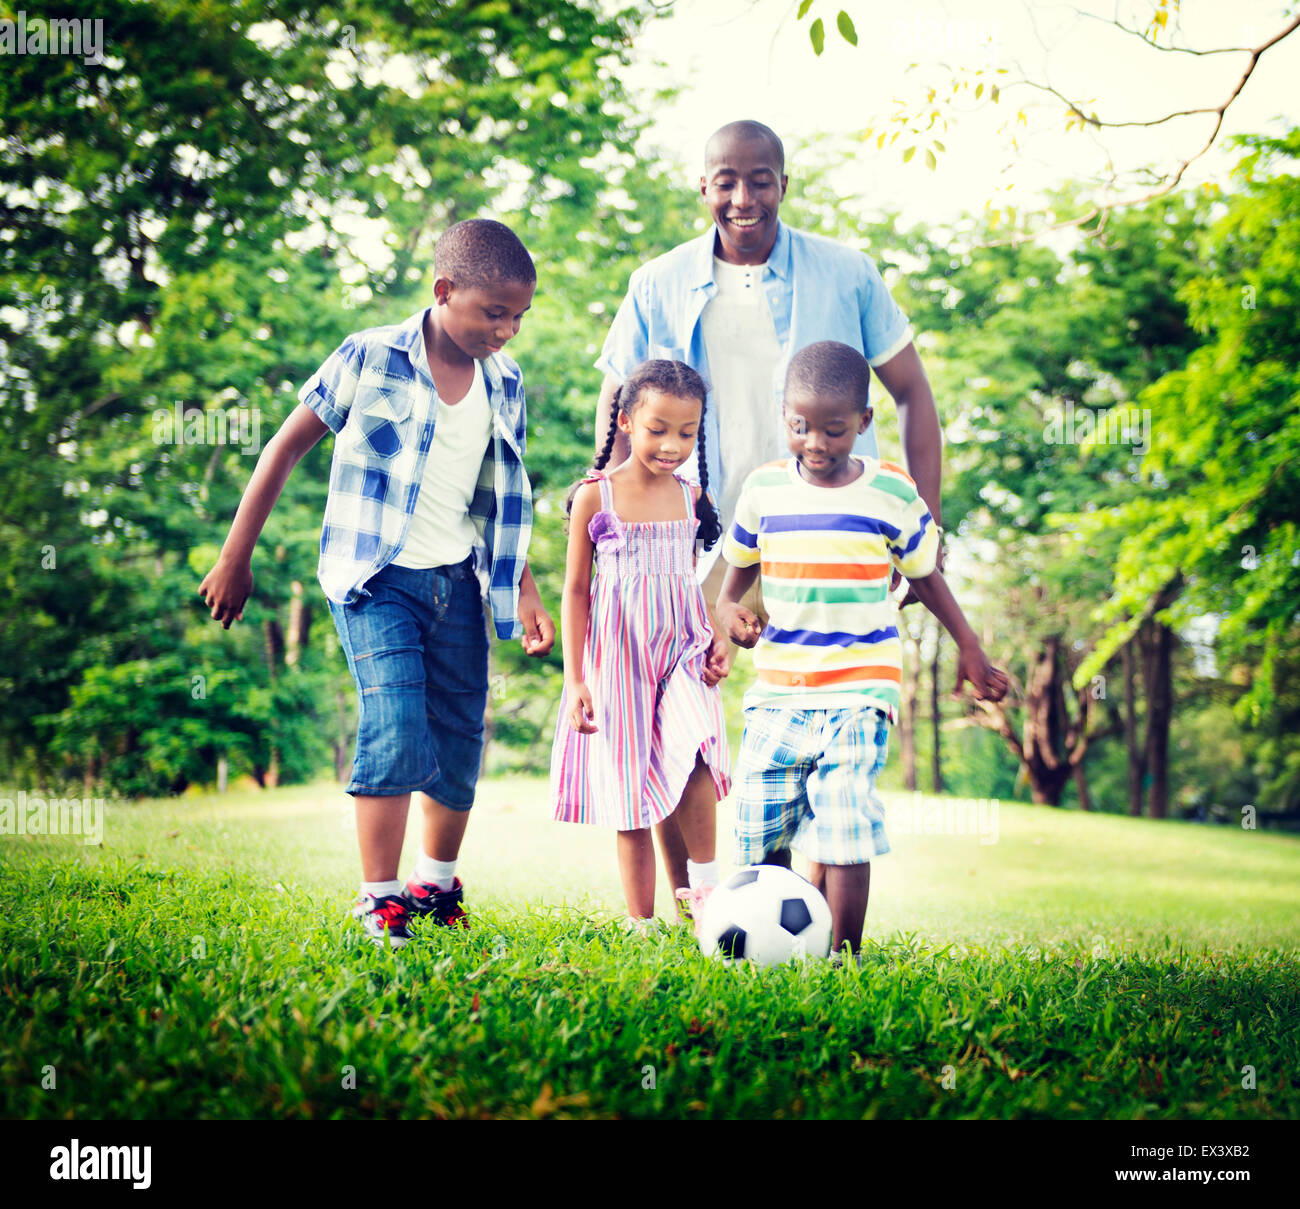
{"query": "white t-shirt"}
(442, 532)
(741, 346)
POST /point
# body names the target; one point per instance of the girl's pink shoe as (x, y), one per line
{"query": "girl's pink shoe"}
(690, 904)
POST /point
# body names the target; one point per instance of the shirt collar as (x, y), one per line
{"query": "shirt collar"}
(409, 337)
(778, 260)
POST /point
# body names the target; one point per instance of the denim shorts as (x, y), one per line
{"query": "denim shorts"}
(417, 648)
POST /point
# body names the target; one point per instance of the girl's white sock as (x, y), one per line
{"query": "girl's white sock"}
(379, 889)
(703, 874)
(441, 873)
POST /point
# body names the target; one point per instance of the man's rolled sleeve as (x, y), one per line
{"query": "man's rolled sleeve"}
(627, 343)
(330, 390)
(886, 331)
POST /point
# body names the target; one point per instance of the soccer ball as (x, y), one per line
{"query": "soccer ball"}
(766, 915)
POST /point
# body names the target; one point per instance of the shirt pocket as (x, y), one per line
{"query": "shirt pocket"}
(667, 352)
(381, 417)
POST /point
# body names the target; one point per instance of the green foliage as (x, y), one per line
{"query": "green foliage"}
(177, 227)
(1223, 505)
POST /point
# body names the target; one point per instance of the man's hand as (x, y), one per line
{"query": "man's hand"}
(990, 683)
(719, 661)
(226, 589)
(582, 711)
(539, 629)
(742, 626)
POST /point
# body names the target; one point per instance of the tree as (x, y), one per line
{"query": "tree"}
(1222, 513)
(176, 220)
(944, 98)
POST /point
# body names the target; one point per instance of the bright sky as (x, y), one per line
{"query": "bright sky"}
(752, 59)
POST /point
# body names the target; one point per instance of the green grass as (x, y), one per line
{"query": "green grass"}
(199, 964)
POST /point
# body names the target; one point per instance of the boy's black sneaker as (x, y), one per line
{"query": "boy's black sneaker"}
(385, 919)
(444, 907)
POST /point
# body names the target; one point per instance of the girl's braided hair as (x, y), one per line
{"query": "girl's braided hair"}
(679, 380)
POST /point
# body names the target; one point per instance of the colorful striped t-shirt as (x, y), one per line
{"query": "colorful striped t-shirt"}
(826, 555)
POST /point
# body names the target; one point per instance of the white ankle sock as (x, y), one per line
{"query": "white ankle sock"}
(379, 889)
(441, 873)
(703, 874)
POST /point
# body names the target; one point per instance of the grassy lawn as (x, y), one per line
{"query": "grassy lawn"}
(199, 964)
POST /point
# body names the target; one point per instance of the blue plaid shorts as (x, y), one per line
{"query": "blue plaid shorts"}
(807, 779)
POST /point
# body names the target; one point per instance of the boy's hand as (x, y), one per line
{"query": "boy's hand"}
(582, 711)
(719, 661)
(226, 589)
(539, 629)
(742, 626)
(990, 683)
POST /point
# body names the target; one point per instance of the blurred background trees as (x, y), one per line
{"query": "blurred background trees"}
(188, 228)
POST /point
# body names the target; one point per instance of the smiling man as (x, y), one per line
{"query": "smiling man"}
(736, 304)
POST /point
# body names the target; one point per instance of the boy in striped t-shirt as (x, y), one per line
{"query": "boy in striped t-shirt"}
(825, 528)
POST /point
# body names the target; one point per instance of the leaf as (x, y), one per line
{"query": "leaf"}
(818, 35)
(939, 146)
(993, 93)
(907, 155)
(804, 6)
(979, 90)
(930, 161)
(845, 24)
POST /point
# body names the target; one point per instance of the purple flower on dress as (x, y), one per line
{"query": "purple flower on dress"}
(606, 531)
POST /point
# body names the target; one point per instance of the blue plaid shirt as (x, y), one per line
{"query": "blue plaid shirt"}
(377, 396)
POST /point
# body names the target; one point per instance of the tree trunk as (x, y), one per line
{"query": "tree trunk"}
(1046, 752)
(1159, 690)
(1081, 787)
(299, 623)
(936, 749)
(274, 660)
(1137, 763)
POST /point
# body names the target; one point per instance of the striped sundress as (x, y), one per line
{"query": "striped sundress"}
(648, 638)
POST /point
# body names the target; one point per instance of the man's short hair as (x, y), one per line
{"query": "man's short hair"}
(830, 368)
(481, 252)
(748, 130)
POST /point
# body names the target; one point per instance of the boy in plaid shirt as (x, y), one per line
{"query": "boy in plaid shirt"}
(825, 529)
(429, 512)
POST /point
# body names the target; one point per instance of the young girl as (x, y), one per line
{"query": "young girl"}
(641, 733)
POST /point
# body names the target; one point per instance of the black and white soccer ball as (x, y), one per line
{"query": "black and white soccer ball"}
(766, 915)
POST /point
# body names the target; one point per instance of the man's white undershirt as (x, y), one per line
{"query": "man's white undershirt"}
(741, 346)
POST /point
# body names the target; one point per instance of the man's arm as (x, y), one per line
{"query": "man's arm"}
(918, 424)
(990, 683)
(604, 409)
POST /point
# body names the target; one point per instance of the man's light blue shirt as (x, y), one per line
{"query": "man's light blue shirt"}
(817, 289)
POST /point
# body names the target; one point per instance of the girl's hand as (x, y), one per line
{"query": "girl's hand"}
(719, 661)
(226, 589)
(990, 683)
(582, 711)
